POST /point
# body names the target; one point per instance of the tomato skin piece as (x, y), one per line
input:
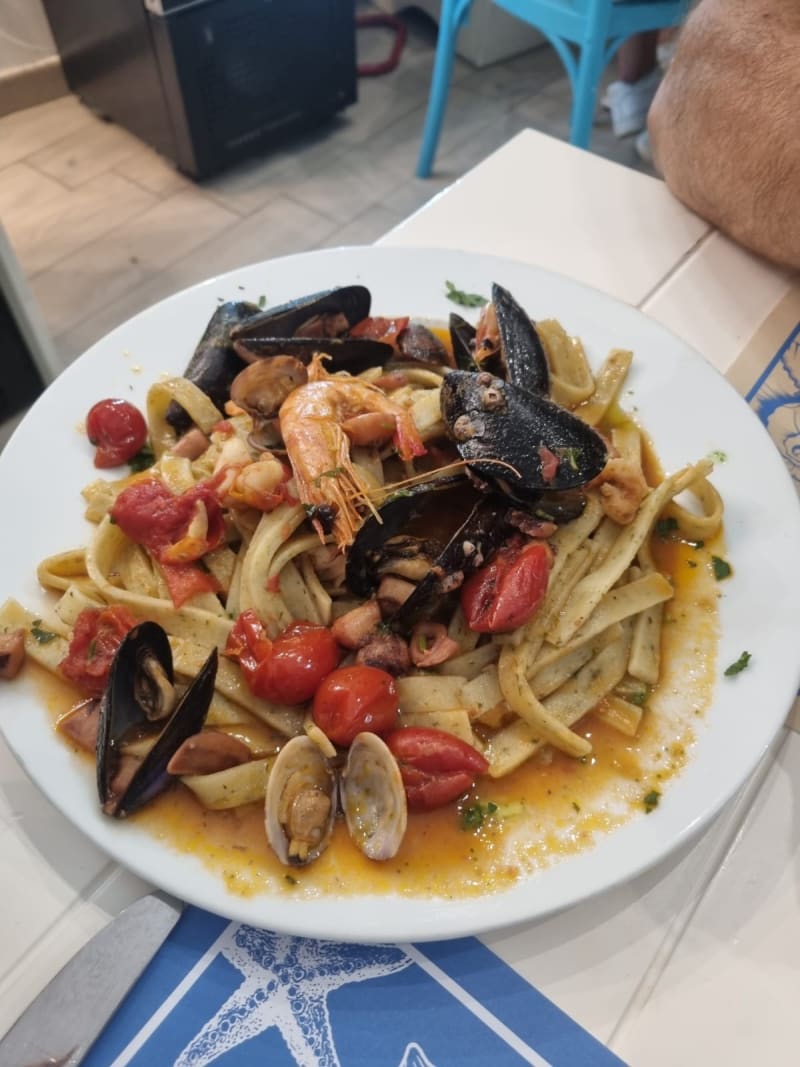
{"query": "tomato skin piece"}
(288, 669)
(508, 591)
(436, 767)
(96, 636)
(353, 699)
(117, 430)
(380, 329)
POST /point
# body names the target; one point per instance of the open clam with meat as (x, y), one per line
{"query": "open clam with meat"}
(367, 568)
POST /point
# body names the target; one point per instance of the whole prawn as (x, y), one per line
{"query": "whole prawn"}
(315, 419)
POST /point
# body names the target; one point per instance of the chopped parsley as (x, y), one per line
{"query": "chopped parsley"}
(737, 667)
(650, 800)
(44, 637)
(691, 563)
(576, 805)
(718, 456)
(466, 300)
(722, 569)
(91, 652)
(334, 472)
(472, 818)
(143, 459)
(570, 456)
(290, 878)
(666, 527)
(262, 303)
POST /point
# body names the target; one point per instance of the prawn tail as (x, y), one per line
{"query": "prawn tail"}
(406, 439)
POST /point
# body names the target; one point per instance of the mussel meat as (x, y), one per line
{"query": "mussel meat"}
(140, 691)
(327, 314)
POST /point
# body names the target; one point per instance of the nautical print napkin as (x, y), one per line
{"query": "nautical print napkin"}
(767, 374)
(230, 994)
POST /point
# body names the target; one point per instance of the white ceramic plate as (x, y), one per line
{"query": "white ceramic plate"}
(686, 405)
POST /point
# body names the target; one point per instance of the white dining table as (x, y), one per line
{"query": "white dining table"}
(693, 962)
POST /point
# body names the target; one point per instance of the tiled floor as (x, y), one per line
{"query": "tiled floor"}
(103, 227)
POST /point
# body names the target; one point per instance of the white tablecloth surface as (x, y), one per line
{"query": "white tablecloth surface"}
(694, 962)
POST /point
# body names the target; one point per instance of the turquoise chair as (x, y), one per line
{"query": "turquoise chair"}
(596, 27)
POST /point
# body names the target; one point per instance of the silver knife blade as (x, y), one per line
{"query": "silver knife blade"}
(62, 1023)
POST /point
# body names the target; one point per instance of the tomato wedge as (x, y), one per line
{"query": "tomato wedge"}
(508, 590)
(177, 530)
(436, 767)
(288, 669)
(96, 636)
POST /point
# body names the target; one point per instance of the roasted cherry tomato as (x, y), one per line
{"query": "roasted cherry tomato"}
(96, 636)
(288, 669)
(117, 430)
(378, 329)
(353, 699)
(436, 767)
(508, 590)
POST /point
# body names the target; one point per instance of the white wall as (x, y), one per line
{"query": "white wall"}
(24, 34)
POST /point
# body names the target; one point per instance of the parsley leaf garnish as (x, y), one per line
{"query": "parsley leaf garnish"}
(666, 527)
(334, 472)
(651, 800)
(262, 301)
(722, 569)
(143, 459)
(44, 637)
(466, 300)
(472, 818)
(738, 666)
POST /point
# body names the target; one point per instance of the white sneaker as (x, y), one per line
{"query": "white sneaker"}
(643, 148)
(630, 102)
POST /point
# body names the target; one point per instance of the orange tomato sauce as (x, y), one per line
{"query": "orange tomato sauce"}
(549, 808)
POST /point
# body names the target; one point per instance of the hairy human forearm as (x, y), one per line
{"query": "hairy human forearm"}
(725, 124)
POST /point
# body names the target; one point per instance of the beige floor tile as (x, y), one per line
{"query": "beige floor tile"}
(47, 222)
(364, 230)
(280, 228)
(254, 183)
(154, 173)
(34, 128)
(105, 270)
(347, 186)
(91, 150)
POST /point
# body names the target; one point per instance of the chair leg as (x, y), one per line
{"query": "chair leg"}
(584, 92)
(454, 13)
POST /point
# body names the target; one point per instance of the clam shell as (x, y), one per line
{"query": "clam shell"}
(300, 770)
(373, 798)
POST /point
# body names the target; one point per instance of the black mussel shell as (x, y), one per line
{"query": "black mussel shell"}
(354, 354)
(120, 716)
(462, 338)
(214, 364)
(504, 434)
(287, 320)
(369, 547)
(521, 347)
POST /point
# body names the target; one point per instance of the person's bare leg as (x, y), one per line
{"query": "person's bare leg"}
(637, 56)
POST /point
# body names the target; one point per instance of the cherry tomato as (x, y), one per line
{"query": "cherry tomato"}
(353, 699)
(380, 329)
(289, 669)
(117, 429)
(436, 767)
(508, 590)
(96, 636)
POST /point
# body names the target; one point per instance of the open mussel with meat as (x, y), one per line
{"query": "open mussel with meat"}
(305, 790)
(512, 436)
(140, 703)
(415, 553)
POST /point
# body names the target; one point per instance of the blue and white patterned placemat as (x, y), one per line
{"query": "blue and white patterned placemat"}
(223, 993)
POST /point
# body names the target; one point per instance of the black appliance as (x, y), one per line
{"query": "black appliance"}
(208, 82)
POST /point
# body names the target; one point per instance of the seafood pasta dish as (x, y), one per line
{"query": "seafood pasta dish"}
(373, 604)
